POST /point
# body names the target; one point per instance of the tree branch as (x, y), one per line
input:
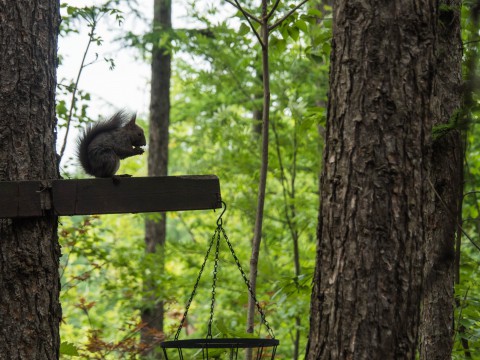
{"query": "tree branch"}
(270, 28)
(74, 91)
(247, 16)
(273, 9)
(244, 12)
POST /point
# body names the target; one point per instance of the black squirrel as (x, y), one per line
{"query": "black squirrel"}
(102, 145)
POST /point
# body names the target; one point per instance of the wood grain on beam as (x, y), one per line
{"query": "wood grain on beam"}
(105, 196)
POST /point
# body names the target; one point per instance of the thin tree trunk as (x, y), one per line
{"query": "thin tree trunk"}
(370, 253)
(437, 329)
(257, 236)
(155, 231)
(30, 311)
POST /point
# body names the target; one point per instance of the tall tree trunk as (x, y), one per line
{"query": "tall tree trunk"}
(30, 311)
(437, 328)
(155, 230)
(370, 253)
(257, 232)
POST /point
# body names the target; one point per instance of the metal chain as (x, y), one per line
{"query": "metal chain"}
(250, 290)
(214, 282)
(216, 235)
(196, 285)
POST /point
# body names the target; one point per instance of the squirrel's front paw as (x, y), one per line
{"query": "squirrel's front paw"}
(138, 150)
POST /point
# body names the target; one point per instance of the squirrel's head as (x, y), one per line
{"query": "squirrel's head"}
(137, 136)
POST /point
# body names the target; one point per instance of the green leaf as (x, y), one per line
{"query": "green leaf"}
(307, 123)
(284, 31)
(316, 110)
(67, 348)
(294, 33)
(320, 36)
(61, 108)
(315, 12)
(278, 44)
(302, 25)
(222, 327)
(244, 29)
(309, 19)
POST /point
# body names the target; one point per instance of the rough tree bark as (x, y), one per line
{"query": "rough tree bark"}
(155, 230)
(30, 311)
(371, 234)
(437, 330)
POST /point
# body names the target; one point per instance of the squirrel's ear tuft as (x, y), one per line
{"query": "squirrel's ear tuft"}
(132, 120)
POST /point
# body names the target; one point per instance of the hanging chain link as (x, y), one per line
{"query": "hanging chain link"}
(250, 290)
(195, 286)
(214, 283)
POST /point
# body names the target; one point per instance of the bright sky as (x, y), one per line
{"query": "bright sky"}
(127, 86)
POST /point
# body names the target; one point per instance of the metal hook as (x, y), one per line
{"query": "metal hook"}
(219, 220)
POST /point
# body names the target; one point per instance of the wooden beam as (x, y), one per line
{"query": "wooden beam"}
(20, 199)
(105, 196)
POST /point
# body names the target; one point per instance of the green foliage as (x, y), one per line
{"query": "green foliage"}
(99, 282)
(467, 311)
(68, 349)
(468, 306)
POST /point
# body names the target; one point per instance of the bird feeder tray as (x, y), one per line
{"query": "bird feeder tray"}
(227, 343)
(231, 348)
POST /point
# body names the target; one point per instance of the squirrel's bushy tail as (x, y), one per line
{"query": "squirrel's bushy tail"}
(93, 130)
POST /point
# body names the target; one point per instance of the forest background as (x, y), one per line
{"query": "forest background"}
(216, 96)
